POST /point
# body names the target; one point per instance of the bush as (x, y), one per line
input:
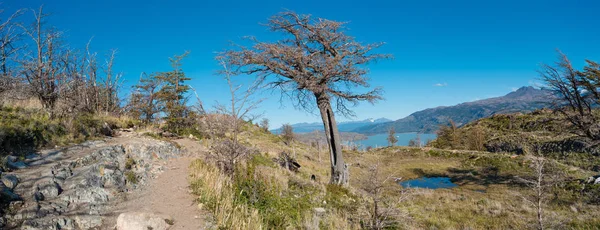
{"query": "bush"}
(25, 130)
(131, 177)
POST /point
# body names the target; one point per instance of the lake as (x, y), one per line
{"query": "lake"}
(380, 140)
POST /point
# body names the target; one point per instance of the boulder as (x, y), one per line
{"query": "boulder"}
(11, 158)
(7, 195)
(593, 180)
(10, 180)
(106, 130)
(48, 189)
(143, 221)
(16, 164)
(88, 222)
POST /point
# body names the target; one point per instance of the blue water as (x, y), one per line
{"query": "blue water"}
(380, 140)
(429, 182)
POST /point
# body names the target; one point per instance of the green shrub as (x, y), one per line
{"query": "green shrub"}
(129, 163)
(131, 177)
(340, 198)
(280, 208)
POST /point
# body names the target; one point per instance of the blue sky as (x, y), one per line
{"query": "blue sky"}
(446, 52)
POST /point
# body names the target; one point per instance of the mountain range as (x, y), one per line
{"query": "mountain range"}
(525, 99)
(345, 126)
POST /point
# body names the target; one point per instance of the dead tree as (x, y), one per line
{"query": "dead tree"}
(228, 152)
(317, 63)
(545, 176)
(44, 70)
(384, 195)
(9, 37)
(287, 133)
(264, 124)
(111, 83)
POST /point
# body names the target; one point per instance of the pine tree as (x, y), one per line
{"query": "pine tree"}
(173, 95)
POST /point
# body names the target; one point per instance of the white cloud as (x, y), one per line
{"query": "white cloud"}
(440, 85)
(514, 89)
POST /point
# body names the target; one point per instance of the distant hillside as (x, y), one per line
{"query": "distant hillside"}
(540, 132)
(342, 126)
(525, 99)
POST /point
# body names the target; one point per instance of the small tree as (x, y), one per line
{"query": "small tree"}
(228, 152)
(447, 136)
(384, 195)
(476, 138)
(264, 124)
(415, 142)
(317, 63)
(173, 94)
(545, 176)
(287, 133)
(392, 140)
(145, 97)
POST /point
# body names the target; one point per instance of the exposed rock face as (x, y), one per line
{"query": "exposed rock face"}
(72, 188)
(143, 221)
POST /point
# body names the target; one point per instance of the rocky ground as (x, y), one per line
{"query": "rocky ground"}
(126, 182)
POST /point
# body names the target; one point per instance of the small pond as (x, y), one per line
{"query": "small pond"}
(428, 182)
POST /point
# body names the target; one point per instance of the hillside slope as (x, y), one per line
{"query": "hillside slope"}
(525, 99)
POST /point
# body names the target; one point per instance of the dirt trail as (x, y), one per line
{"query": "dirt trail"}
(169, 193)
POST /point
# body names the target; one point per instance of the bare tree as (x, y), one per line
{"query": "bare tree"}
(415, 142)
(577, 94)
(287, 133)
(44, 71)
(317, 63)
(9, 37)
(228, 152)
(545, 176)
(111, 83)
(264, 124)
(384, 195)
(392, 140)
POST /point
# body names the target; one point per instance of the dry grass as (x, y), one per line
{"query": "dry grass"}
(216, 190)
(485, 199)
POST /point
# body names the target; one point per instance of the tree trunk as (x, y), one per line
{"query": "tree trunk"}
(339, 173)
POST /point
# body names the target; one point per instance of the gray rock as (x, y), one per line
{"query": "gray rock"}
(10, 180)
(593, 180)
(106, 130)
(88, 222)
(49, 189)
(16, 164)
(11, 158)
(50, 223)
(143, 221)
(6, 194)
(590, 180)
